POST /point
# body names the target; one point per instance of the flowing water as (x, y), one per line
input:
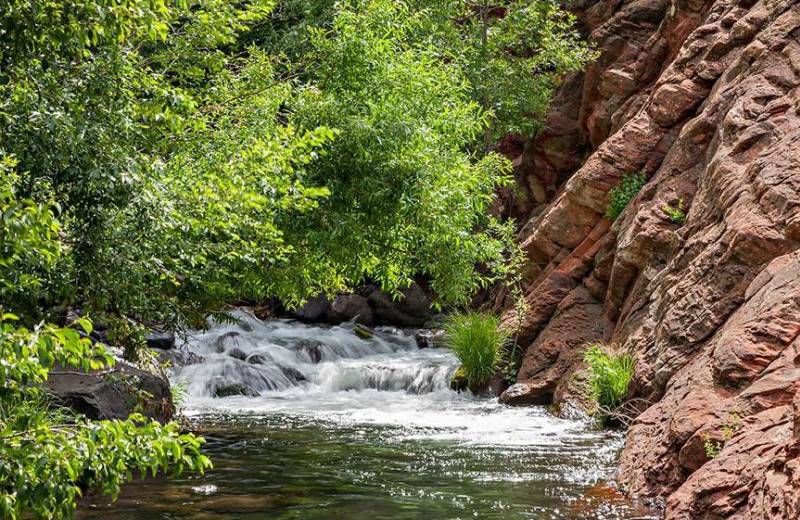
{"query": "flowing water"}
(311, 422)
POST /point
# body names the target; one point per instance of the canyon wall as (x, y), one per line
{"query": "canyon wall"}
(702, 96)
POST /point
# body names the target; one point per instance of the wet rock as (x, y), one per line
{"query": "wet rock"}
(349, 307)
(258, 359)
(493, 388)
(293, 374)
(362, 332)
(225, 341)
(160, 340)
(237, 353)
(221, 387)
(112, 394)
(429, 338)
(178, 357)
(313, 348)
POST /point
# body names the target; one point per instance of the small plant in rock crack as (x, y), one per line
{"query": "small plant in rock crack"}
(714, 446)
(676, 215)
(620, 195)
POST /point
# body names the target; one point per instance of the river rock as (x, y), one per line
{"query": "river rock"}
(237, 353)
(313, 348)
(412, 309)
(258, 359)
(113, 393)
(160, 340)
(312, 310)
(429, 338)
(221, 387)
(349, 307)
(293, 374)
(178, 357)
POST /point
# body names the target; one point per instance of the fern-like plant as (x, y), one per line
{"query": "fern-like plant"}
(620, 195)
(477, 342)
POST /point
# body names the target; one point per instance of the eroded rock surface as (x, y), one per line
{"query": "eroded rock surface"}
(703, 97)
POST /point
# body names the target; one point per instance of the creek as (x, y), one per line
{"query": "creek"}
(328, 424)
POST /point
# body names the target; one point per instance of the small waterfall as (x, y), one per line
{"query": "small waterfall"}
(249, 357)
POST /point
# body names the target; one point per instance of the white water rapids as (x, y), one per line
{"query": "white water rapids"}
(333, 374)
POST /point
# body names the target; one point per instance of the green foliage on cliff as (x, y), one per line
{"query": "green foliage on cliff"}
(477, 342)
(620, 196)
(513, 54)
(610, 374)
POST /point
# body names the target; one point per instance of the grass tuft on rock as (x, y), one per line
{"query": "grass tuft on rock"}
(477, 343)
(610, 374)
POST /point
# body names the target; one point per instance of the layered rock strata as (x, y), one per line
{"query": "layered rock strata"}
(702, 96)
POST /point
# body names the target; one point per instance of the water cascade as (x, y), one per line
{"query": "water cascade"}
(311, 422)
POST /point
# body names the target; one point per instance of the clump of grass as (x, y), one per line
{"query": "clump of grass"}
(477, 343)
(610, 375)
(620, 195)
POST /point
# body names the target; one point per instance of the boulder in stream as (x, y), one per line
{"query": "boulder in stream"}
(113, 393)
(222, 387)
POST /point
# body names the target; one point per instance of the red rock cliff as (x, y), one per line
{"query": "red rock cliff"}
(702, 96)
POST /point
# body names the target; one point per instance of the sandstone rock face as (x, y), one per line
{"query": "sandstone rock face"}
(703, 96)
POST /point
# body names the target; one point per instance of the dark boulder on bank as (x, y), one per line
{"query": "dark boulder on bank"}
(160, 340)
(369, 305)
(349, 307)
(113, 393)
(413, 309)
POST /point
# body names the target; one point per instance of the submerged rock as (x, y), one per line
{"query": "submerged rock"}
(237, 353)
(313, 348)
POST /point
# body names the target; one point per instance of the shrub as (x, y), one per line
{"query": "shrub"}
(610, 375)
(675, 215)
(477, 343)
(620, 195)
(712, 446)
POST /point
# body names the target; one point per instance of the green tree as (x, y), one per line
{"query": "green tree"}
(513, 53)
(48, 454)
